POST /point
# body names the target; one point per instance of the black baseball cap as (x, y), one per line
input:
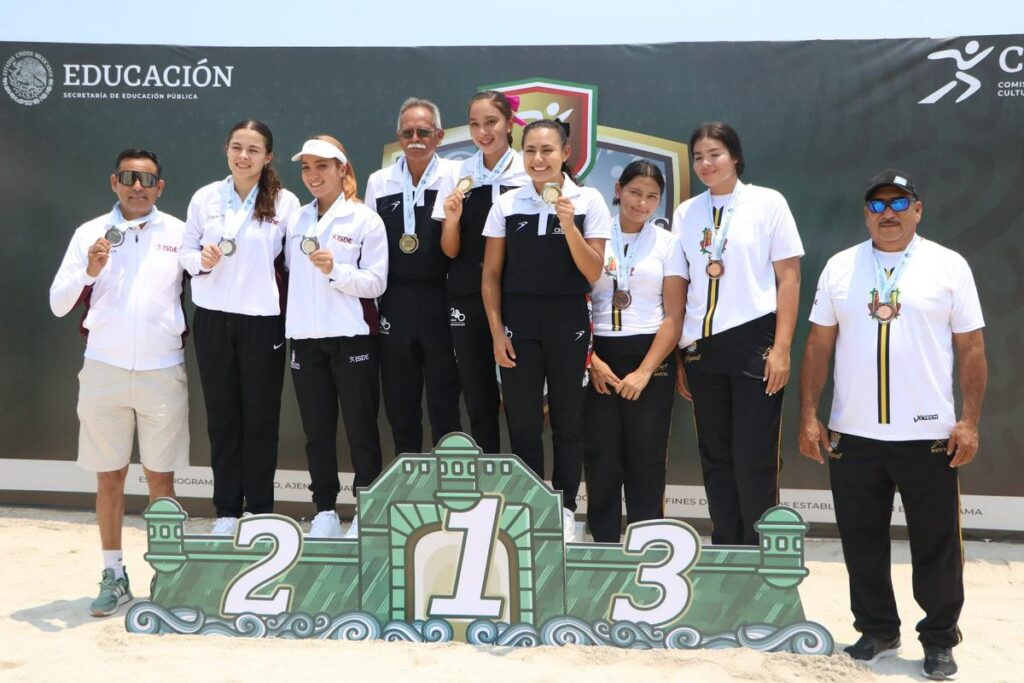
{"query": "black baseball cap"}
(891, 177)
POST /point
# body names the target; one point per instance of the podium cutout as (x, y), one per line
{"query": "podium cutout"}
(461, 545)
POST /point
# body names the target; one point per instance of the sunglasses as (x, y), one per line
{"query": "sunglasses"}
(898, 204)
(145, 179)
(407, 133)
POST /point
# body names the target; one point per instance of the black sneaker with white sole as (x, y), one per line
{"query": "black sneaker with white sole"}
(939, 664)
(870, 649)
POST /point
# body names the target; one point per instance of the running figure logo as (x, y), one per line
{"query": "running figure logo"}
(963, 65)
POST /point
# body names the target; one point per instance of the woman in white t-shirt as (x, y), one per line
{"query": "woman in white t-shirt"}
(234, 234)
(337, 258)
(638, 313)
(743, 259)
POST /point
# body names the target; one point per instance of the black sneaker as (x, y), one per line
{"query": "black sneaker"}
(939, 664)
(870, 649)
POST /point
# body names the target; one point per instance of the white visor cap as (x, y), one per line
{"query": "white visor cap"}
(322, 149)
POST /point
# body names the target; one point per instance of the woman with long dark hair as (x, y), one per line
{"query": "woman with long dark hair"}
(638, 312)
(494, 169)
(233, 250)
(545, 245)
(743, 256)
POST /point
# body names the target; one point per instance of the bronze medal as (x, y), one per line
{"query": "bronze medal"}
(551, 193)
(115, 236)
(309, 244)
(622, 299)
(715, 269)
(884, 312)
(465, 184)
(409, 243)
(227, 246)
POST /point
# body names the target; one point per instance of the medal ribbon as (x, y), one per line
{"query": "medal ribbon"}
(623, 260)
(412, 195)
(117, 218)
(316, 229)
(719, 237)
(485, 177)
(886, 284)
(235, 217)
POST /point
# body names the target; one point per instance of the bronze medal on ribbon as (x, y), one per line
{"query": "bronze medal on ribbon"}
(309, 244)
(883, 313)
(115, 236)
(409, 243)
(621, 299)
(227, 246)
(551, 193)
(715, 269)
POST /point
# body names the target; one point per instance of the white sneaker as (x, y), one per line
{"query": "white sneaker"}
(325, 525)
(568, 525)
(353, 528)
(224, 526)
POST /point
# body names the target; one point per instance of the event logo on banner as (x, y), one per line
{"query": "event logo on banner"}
(965, 83)
(460, 545)
(611, 149)
(28, 78)
(574, 104)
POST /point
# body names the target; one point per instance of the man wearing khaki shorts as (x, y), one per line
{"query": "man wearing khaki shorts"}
(123, 266)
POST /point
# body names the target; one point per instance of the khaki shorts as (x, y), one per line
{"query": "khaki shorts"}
(112, 402)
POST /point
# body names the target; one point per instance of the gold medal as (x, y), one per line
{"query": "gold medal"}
(309, 244)
(227, 246)
(551, 193)
(409, 243)
(622, 299)
(465, 184)
(715, 269)
(115, 236)
(883, 313)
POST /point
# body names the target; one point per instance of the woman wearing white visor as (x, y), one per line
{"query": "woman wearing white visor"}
(337, 255)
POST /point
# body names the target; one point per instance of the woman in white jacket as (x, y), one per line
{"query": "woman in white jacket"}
(337, 255)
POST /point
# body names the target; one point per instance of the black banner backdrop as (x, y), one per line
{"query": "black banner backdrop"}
(817, 120)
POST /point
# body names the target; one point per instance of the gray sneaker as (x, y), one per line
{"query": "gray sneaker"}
(113, 594)
(939, 664)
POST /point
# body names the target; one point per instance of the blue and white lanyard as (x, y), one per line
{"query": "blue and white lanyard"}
(482, 176)
(885, 284)
(235, 217)
(623, 261)
(412, 195)
(117, 218)
(719, 237)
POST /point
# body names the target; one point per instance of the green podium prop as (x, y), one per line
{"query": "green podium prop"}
(461, 545)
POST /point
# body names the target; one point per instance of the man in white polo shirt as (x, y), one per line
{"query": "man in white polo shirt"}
(895, 310)
(123, 266)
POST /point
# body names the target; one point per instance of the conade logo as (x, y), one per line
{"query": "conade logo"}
(1010, 61)
(28, 78)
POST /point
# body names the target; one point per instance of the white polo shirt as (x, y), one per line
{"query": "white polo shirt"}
(133, 315)
(341, 304)
(658, 255)
(761, 231)
(896, 384)
(246, 281)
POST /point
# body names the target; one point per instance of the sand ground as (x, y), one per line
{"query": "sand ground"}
(53, 563)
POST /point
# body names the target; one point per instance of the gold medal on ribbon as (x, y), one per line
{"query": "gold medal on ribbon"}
(409, 243)
(465, 184)
(551, 193)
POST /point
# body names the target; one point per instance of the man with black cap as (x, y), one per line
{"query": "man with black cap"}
(895, 310)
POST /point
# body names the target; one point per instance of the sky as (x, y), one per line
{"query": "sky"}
(344, 23)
